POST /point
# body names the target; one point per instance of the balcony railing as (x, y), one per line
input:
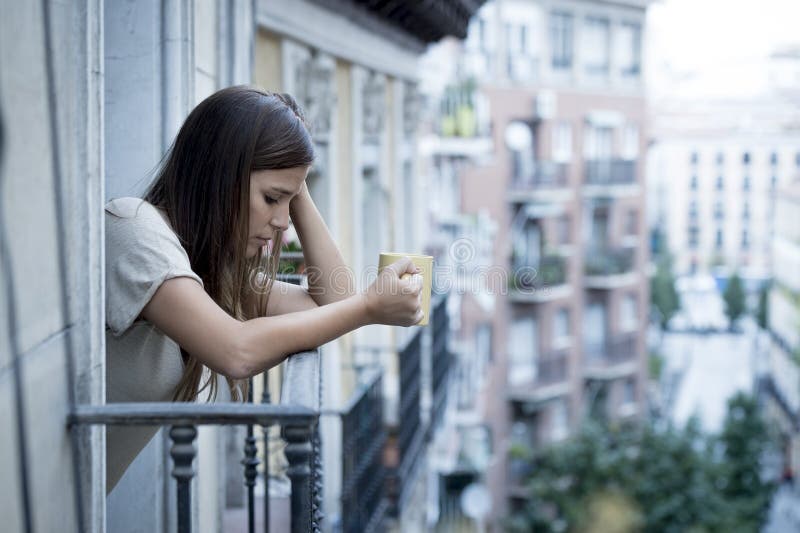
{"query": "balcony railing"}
(616, 350)
(609, 261)
(552, 368)
(609, 172)
(411, 434)
(546, 175)
(441, 359)
(551, 271)
(363, 437)
(297, 414)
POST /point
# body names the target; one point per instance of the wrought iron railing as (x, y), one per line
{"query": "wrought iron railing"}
(551, 271)
(616, 350)
(609, 261)
(363, 437)
(410, 432)
(440, 359)
(297, 415)
(609, 172)
(552, 367)
(545, 175)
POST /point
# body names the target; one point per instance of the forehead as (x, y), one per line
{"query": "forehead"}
(286, 180)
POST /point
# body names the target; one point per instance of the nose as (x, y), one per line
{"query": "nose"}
(280, 221)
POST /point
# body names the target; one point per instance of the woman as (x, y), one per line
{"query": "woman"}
(190, 289)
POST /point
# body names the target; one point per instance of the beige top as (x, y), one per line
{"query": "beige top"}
(142, 363)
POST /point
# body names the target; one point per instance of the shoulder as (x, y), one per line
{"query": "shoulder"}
(135, 218)
(132, 208)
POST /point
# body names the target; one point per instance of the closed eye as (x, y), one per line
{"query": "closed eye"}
(270, 200)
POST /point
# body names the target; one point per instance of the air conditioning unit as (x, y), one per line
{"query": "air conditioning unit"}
(545, 105)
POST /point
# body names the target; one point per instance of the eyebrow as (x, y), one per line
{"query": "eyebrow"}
(282, 191)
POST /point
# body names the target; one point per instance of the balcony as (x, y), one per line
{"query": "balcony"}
(551, 380)
(441, 360)
(612, 359)
(363, 437)
(609, 268)
(546, 283)
(610, 178)
(549, 182)
(297, 415)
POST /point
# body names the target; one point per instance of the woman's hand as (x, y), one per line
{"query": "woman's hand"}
(394, 298)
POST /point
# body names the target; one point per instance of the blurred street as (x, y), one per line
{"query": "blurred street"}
(705, 369)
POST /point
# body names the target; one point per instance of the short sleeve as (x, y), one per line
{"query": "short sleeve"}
(142, 252)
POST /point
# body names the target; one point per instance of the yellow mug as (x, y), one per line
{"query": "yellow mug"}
(425, 264)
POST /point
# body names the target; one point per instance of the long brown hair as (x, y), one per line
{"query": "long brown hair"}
(203, 185)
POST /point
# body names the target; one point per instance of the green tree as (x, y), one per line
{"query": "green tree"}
(734, 297)
(762, 311)
(663, 296)
(629, 478)
(744, 444)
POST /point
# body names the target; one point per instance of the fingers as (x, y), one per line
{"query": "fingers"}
(401, 266)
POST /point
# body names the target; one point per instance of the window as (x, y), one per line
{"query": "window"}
(694, 234)
(628, 313)
(773, 182)
(693, 182)
(629, 49)
(718, 241)
(563, 229)
(797, 159)
(629, 391)
(720, 158)
(720, 183)
(594, 334)
(561, 40)
(519, 140)
(693, 159)
(632, 222)
(719, 212)
(745, 239)
(523, 348)
(559, 423)
(773, 159)
(595, 46)
(630, 142)
(562, 142)
(746, 183)
(746, 211)
(561, 325)
(746, 158)
(693, 210)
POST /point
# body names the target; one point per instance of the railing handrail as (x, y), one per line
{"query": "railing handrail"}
(167, 413)
(301, 369)
(297, 415)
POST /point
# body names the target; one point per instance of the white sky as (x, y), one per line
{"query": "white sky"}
(717, 47)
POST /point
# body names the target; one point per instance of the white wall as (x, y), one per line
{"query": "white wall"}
(52, 196)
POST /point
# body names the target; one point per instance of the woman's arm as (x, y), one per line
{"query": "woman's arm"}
(329, 278)
(186, 313)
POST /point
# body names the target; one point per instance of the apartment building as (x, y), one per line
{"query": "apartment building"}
(715, 166)
(556, 87)
(92, 94)
(782, 380)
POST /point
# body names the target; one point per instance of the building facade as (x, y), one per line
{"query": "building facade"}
(783, 372)
(91, 96)
(557, 88)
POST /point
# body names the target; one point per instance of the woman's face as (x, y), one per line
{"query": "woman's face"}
(270, 194)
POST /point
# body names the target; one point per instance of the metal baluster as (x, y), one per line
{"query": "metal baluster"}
(298, 452)
(250, 463)
(183, 452)
(265, 399)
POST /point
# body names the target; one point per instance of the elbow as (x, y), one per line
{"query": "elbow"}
(246, 357)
